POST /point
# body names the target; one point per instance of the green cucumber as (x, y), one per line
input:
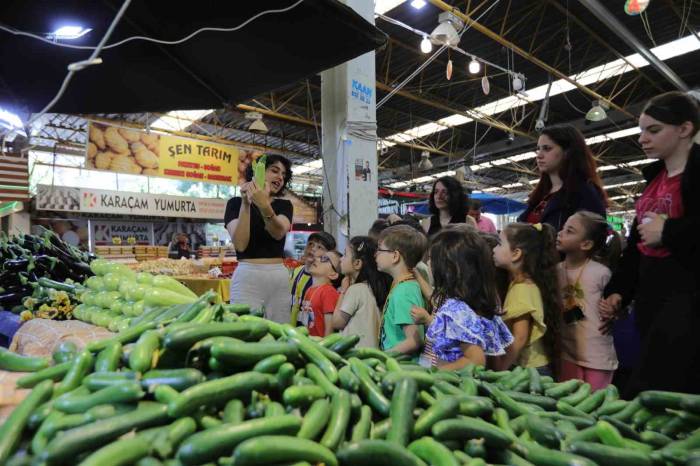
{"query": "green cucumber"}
(124, 392)
(141, 356)
(363, 426)
(609, 435)
(285, 375)
(613, 407)
(444, 408)
(315, 419)
(655, 439)
(372, 394)
(458, 429)
(71, 443)
(502, 420)
(64, 352)
(424, 380)
(535, 382)
(11, 430)
(219, 391)
(605, 455)
(13, 362)
(122, 452)
(179, 379)
(549, 404)
(213, 443)
(581, 393)
(234, 412)
(468, 386)
(544, 432)
(626, 430)
(513, 407)
(330, 340)
(185, 337)
(246, 355)
(541, 456)
(403, 402)
(275, 449)
(348, 381)
(312, 352)
(99, 380)
(345, 344)
(659, 400)
(432, 452)
(377, 453)
(592, 402)
(54, 373)
(82, 365)
(562, 389)
(380, 429)
(108, 359)
(270, 364)
(626, 414)
(579, 422)
(338, 423)
(302, 395)
(319, 378)
(127, 336)
(658, 421)
(165, 394)
(274, 409)
(568, 410)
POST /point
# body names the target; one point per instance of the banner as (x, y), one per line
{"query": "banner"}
(104, 232)
(131, 151)
(87, 200)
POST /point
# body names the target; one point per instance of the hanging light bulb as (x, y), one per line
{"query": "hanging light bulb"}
(474, 66)
(425, 45)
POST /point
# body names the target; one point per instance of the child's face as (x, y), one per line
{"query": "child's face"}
(572, 237)
(385, 257)
(313, 248)
(502, 254)
(325, 266)
(348, 265)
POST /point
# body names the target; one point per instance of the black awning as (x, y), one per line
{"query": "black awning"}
(211, 70)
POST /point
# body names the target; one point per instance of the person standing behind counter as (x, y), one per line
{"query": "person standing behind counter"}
(258, 222)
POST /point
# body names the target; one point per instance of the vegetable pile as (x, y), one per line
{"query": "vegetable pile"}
(248, 391)
(32, 266)
(117, 298)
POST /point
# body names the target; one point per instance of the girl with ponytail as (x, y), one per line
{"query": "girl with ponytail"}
(533, 306)
(362, 294)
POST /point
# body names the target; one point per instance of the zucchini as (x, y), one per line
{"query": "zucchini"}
(14, 425)
(605, 455)
(338, 423)
(432, 452)
(466, 428)
(377, 453)
(274, 449)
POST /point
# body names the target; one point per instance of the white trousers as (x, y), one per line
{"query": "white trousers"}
(263, 286)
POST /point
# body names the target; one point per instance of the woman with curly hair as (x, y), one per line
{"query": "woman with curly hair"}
(448, 204)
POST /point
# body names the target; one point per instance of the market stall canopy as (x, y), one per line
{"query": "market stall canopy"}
(490, 203)
(210, 70)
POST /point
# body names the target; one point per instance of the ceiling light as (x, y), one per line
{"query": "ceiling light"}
(446, 32)
(474, 66)
(68, 33)
(418, 4)
(425, 163)
(597, 112)
(425, 45)
(518, 82)
(257, 126)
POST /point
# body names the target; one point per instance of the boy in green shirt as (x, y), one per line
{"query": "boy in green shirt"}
(400, 249)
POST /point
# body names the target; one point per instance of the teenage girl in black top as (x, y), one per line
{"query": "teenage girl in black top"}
(258, 223)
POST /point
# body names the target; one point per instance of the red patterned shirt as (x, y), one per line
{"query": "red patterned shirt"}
(662, 196)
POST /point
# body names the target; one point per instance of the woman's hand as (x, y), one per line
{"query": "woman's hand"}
(420, 315)
(259, 197)
(608, 309)
(245, 192)
(651, 229)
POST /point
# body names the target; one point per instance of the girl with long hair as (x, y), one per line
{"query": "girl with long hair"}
(569, 179)
(448, 203)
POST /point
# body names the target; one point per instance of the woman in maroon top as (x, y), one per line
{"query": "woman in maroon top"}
(568, 182)
(660, 266)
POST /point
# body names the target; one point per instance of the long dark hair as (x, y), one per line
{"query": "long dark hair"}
(457, 199)
(539, 264)
(463, 269)
(364, 248)
(674, 108)
(269, 160)
(607, 246)
(577, 165)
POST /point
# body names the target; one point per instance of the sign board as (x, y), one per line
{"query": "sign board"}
(105, 231)
(87, 200)
(136, 152)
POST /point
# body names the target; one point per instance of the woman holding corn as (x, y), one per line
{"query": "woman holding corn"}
(258, 222)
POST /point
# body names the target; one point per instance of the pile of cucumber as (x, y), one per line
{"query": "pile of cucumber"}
(252, 392)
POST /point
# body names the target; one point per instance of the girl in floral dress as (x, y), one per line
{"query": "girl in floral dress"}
(465, 327)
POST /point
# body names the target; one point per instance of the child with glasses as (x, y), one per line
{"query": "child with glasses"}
(400, 249)
(321, 298)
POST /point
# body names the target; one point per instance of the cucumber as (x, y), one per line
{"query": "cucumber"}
(246, 355)
(468, 386)
(403, 402)
(127, 391)
(270, 364)
(99, 380)
(313, 353)
(54, 373)
(186, 336)
(660, 400)
(274, 449)
(363, 426)
(345, 344)
(108, 359)
(542, 456)
(165, 394)
(444, 408)
(13, 362)
(74, 377)
(234, 412)
(338, 423)
(64, 352)
(348, 381)
(655, 439)
(219, 391)
(315, 419)
(458, 429)
(424, 380)
(535, 382)
(285, 375)
(122, 452)
(609, 435)
(613, 407)
(330, 340)
(14, 425)
(213, 443)
(514, 408)
(544, 432)
(549, 404)
(658, 421)
(581, 393)
(179, 379)
(127, 336)
(67, 446)
(510, 458)
(592, 402)
(432, 452)
(377, 453)
(302, 395)
(562, 389)
(626, 414)
(605, 455)
(319, 378)
(141, 357)
(624, 429)
(568, 410)
(579, 422)
(373, 396)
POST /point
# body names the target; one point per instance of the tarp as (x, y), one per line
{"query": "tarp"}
(211, 70)
(490, 203)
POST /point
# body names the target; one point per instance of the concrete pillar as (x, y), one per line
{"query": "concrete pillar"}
(349, 141)
(19, 223)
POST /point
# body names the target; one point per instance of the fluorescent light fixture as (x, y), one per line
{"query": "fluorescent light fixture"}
(624, 196)
(628, 183)
(307, 167)
(69, 33)
(179, 120)
(382, 6)
(512, 185)
(418, 4)
(493, 189)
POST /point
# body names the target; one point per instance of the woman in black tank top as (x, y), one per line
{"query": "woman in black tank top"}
(448, 204)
